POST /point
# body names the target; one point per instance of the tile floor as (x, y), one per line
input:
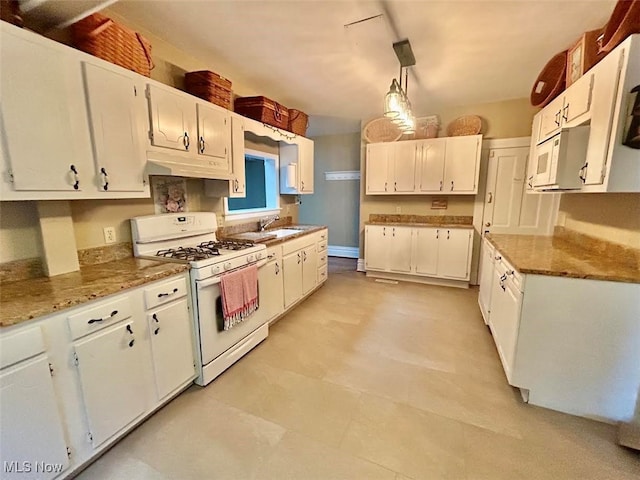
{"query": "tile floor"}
(366, 381)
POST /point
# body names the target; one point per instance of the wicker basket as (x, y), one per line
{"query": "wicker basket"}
(298, 122)
(465, 125)
(264, 110)
(551, 81)
(624, 21)
(106, 39)
(209, 86)
(381, 130)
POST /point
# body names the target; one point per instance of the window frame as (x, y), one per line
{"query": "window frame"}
(258, 212)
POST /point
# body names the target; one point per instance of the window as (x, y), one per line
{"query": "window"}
(261, 174)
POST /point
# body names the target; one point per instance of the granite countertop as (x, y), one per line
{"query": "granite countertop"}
(441, 221)
(562, 256)
(270, 239)
(31, 298)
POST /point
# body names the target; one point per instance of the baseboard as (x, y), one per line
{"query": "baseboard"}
(360, 267)
(346, 252)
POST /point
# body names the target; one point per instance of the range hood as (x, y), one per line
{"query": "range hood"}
(48, 14)
(178, 166)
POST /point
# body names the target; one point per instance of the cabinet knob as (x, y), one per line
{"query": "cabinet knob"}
(105, 179)
(488, 224)
(76, 177)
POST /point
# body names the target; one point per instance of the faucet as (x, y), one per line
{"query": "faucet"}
(265, 222)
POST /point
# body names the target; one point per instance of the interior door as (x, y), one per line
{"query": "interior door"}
(404, 166)
(426, 251)
(46, 131)
(172, 118)
(117, 110)
(431, 165)
(453, 252)
(214, 131)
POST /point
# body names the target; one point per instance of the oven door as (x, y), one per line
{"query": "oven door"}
(214, 340)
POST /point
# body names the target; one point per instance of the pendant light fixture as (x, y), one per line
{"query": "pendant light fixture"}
(397, 106)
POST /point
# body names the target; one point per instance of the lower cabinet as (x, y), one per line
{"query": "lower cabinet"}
(271, 287)
(419, 251)
(292, 272)
(486, 278)
(32, 435)
(301, 268)
(322, 242)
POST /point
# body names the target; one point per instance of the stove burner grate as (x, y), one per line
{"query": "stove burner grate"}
(227, 244)
(188, 253)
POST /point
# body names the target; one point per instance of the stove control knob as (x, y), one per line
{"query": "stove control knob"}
(227, 266)
(249, 258)
(258, 255)
(215, 270)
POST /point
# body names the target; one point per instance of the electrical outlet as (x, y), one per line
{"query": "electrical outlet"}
(398, 209)
(109, 235)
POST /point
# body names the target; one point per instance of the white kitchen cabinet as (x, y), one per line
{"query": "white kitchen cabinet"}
(271, 289)
(461, 165)
(309, 269)
(454, 253)
(214, 135)
(292, 274)
(377, 164)
(173, 119)
(426, 251)
(431, 165)
(171, 346)
(118, 115)
(32, 434)
(111, 377)
(403, 158)
(486, 279)
(296, 167)
(414, 253)
(322, 244)
(237, 184)
(399, 249)
(44, 118)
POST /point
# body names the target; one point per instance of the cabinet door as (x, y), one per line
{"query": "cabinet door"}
(292, 274)
(400, 249)
(404, 166)
(605, 88)
(550, 119)
(237, 183)
(271, 289)
(31, 427)
(377, 168)
(431, 165)
(117, 111)
(309, 269)
(486, 281)
(454, 246)
(460, 167)
(214, 132)
(425, 258)
(172, 119)
(376, 247)
(44, 116)
(171, 346)
(505, 320)
(305, 161)
(577, 100)
(110, 367)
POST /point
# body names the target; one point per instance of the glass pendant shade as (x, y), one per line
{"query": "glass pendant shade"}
(393, 101)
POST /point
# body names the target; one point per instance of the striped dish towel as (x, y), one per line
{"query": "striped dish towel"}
(239, 295)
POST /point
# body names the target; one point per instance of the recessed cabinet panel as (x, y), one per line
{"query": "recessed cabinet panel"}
(271, 285)
(426, 251)
(377, 167)
(400, 251)
(404, 166)
(461, 159)
(376, 245)
(309, 269)
(431, 165)
(292, 271)
(453, 253)
(171, 120)
(110, 367)
(577, 99)
(46, 131)
(117, 110)
(213, 134)
(31, 426)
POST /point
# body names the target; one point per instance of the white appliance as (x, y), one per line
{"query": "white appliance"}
(559, 160)
(191, 238)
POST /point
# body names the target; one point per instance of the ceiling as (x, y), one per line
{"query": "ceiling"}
(301, 54)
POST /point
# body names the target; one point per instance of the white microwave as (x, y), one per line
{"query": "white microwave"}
(558, 160)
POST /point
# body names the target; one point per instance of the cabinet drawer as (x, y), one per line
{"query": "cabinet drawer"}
(322, 246)
(322, 273)
(20, 346)
(322, 258)
(96, 318)
(165, 292)
(274, 253)
(323, 235)
(298, 244)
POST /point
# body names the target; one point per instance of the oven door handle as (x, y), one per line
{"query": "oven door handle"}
(208, 282)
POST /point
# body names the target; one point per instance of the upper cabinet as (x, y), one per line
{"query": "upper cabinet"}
(296, 167)
(173, 119)
(602, 102)
(435, 166)
(237, 184)
(84, 117)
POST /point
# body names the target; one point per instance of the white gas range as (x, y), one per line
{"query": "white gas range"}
(191, 238)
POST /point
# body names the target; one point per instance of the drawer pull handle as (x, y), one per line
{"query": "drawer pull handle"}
(160, 295)
(96, 320)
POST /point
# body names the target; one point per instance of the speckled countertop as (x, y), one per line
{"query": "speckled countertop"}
(561, 255)
(26, 299)
(439, 221)
(270, 239)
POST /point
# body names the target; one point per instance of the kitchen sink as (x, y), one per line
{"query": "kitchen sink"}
(282, 232)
